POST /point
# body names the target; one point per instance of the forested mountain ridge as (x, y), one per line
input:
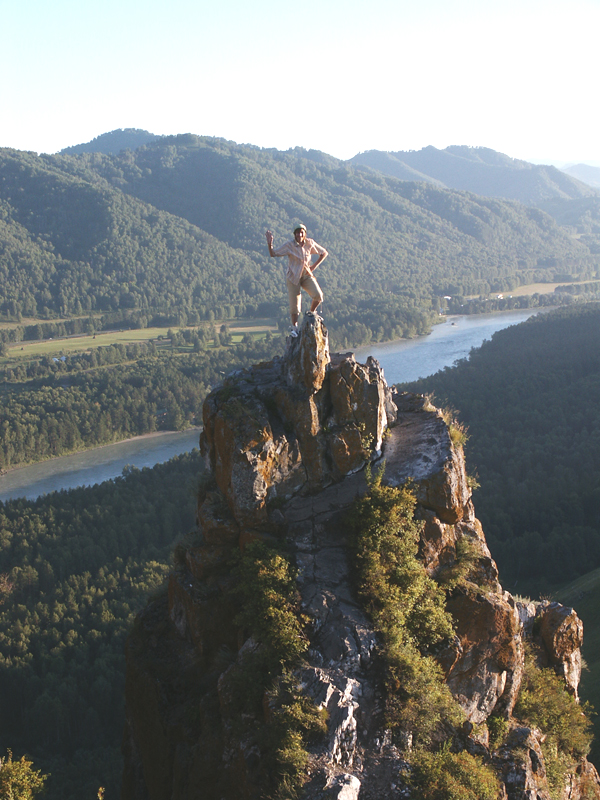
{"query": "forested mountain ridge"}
(178, 224)
(585, 173)
(112, 142)
(479, 170)
(71, 245)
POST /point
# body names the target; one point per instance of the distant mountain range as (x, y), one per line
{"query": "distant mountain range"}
(479, 170)
(470, 169)
(586, 173)
(113, 142)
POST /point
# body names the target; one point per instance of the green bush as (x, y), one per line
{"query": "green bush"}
(294, 721)
(18, 780)
(467, 556)
(544, 703)
(498, 728)
(265, 589)
(444, 775)
(268, 598)
(407, 608)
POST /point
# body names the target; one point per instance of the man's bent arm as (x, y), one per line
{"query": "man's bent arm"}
(320, 260)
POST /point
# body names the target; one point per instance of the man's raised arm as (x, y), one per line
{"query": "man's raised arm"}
(269, 236)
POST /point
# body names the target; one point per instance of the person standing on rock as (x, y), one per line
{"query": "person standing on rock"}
(299, 275)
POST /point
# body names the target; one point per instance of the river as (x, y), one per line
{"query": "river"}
(404, 360)
(409, 359)
(97, 465)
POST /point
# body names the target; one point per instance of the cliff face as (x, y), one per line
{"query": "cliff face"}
(286, 443)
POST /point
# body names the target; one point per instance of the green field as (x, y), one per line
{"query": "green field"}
(535, 288)
(74, 344)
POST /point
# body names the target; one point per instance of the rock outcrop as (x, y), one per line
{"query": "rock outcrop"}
(285, 444)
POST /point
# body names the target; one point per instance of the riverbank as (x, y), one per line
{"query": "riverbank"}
(97, 464)
(140, 437)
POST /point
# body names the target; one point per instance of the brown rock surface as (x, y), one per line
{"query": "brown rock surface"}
(307, 357)
(286, 442)
(561, 631)
(485, 668)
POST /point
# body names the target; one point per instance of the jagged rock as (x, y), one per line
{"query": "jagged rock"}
(521, 766)
(583, 784)
(300, 422)
(246, 456)
(215, 521)
(346, 450)
(303, 415)
(419, 448)
(343, 787)
(360, 398)
(194, 614)
(286, 441)
(203, 560)
(561, 631)
(337, 694)
(307, 357)
(485, 666)
(438, 542)
(527, 614)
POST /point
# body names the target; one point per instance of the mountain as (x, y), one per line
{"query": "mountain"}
(177, 226)
(113, 142)
(585, 173)
(479, 170)
(330, 633)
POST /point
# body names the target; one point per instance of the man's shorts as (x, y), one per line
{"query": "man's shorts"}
(310, 285)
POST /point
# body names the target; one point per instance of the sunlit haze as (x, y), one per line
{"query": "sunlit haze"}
(518, 77)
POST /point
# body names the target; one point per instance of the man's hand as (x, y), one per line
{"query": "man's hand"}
(269, 236)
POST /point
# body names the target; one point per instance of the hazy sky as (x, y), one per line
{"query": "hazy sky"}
(519, 76)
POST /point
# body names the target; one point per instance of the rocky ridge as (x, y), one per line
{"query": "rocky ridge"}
(286, 444)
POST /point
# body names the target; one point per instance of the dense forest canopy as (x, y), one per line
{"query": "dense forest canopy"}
(113, 142)
(75, 568)
(531, 400)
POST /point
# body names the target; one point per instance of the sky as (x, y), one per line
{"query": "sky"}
(518, 76)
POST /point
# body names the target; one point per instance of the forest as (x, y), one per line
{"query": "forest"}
(75, 568)
(53, 407)
(530, 398)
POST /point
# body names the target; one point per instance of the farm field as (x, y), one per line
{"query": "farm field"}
(74, 344)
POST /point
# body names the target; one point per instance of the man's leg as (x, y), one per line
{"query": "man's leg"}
(310, 285)
(295, 305)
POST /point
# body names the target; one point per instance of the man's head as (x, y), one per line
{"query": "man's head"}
(300, 233)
